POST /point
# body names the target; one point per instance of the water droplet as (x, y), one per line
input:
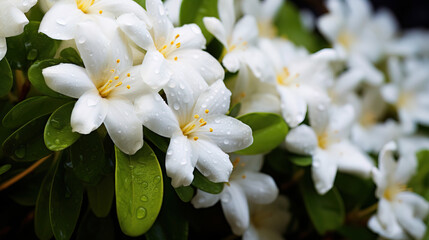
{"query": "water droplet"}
(321, 107)
(156, 179)
(91, 102)
(161, 10)
(61, 21)
(176, 106)
(145, 184)
(226, 141)
(57, 141)
(20, 151)
(144, 198)
(81, 40)
(56, 124)
(226, 197)
(181, 86)
(141, 212)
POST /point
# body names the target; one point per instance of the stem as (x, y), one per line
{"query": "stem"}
(367, 211)
(23, 173)
(295, 178)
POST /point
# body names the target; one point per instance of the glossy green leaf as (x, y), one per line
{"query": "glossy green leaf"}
(202, 183)
(100, 196)
(355, 191)
(159, 141)
(142, 3)
(16, 53)
(233, 112)
(326, 211)
(268, 129)
(87, 156)
(185, 193)
(357, 233)
(38, 81)
(420, 181)
(26, 144)
(44, 46)
(71, 55)
(193, 11)
(139, 190)
(95, 228)
(302, 161)
(5, 168)
(58, 133)
(31, 108)
(42, 221)
(65, 200)
(6, 77)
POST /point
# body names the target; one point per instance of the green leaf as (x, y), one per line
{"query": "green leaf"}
(65, 200)
(302, 161)
(100, 196)
(206, 185)
(326, 211)
(5, 168)
(42, 221)
(31, 108)
(38, 81)
(185, 193)
(87, 156)
(354, 190)
(142, 3)
(6, 77)
(16, 53)
(233, 112)
(159, 141)
(71, 55)
(26, 144)
(58, 133)
(139, 190)
(420, 181)
(357, 233)
(193, 11)
(95, 228)
(44, 46)
(268, 129)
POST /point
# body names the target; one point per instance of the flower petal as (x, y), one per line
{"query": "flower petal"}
(155, 71)
(232, 60)
(162, 25)
(60, 21)
(259, 188)
(302, 140)
(352, 160)
(324, 169)
(136, 30)
(226, 14)
(23, 5)
(406, 209)
(204, 200)
(156, 115)
(215, 98)
(245, 30)
(3, 47)
(12, 20)
(212, 161)
(68, 79)
(89, 112)
(190, 37)
(294, 106)
(180, 161)
(228, 133)
(215, 27)
(119, 7)
(385, 223)
(406, 168)
(235, 208)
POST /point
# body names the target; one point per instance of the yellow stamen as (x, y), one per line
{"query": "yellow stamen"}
(100, 12)
(175, 58)
(196, 116)
(195, 138)
(211, 129)
(128, 75)
(116, 77)
(172, 42)
(118, 84)
(176, 36)
(177, 45)
(243, 177)
(83, 5)
(118, 60)
(206, 111)
(128, 86)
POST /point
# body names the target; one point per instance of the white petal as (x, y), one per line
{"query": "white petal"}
(232, 60)
(259, 64)
(12, 21)
(406, 168)
(319, 117)
(270, 8)
(390, 93)
(204, 63)
(204, 200)
(123, 126)
(119, 7)
(68, 79)
(215, 27)
(385, 223)
(24, 5)
(61, 20)
(259, 188)
(3, 47)
(235, 209)
(386, 162)
(324, 169)
(260, 102)
(226, 14)
(156, 115)
(352, 160)
(155, 71)
(228, 133)
(89, 112)
(246, 29)
(162, 25)
(246, 163)
(294, 106)
(330, 25)
(212, 161)
(136, 30)
(216, 99)
(132, 86)
(417, 202)
(180, 161)
(406, 214)
(190, 37)
(302, 140)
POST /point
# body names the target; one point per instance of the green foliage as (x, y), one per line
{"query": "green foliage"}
(233, 112)
(326, 211)
(142, 3)
(31, 108)
(160, 142)
(6, 77)
(38, 81)
(95, 228)
(202, 183)
(185, 193)
(302, 161)
(26, 144)
(420, 181)
(193, 11)
(65, 199)
(139, 190)
(100, 196)
(71, 55)
(5, 168)
(268, 129)
(58, 133)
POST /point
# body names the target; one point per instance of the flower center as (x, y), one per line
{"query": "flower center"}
(168, 48)
(83, 5)
(267, 29)
(112, 82)
(195, 126)
(392, 190)
(346, 39)
(322, 140)
(284, 77)
(368, 119)
(404, 100)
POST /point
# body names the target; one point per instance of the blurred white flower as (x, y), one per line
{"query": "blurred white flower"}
(413, 43)
(61, 20)
(12, 20)
(174, 50)
(200, 131)
(173, 10)
(400, 212)
(239, 40)
(268, 221)
(106, 87)
(264, 13)
(245, 186)
(327, 142)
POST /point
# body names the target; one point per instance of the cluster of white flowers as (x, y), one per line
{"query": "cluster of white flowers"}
(333, 100)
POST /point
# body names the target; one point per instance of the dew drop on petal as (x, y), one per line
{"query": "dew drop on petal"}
(176, 106)
(61, 21)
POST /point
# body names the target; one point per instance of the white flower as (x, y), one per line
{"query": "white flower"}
(246, 186)
(106, 88)
(412, 43)
(327, 142)
(200, 132)
(268, 221)
(408, 91)
(177, 50)
(12, 20)
(301, 79)
(239, 39)
(173, 10)
(62, 18)
(264, 13)
(400, 212)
